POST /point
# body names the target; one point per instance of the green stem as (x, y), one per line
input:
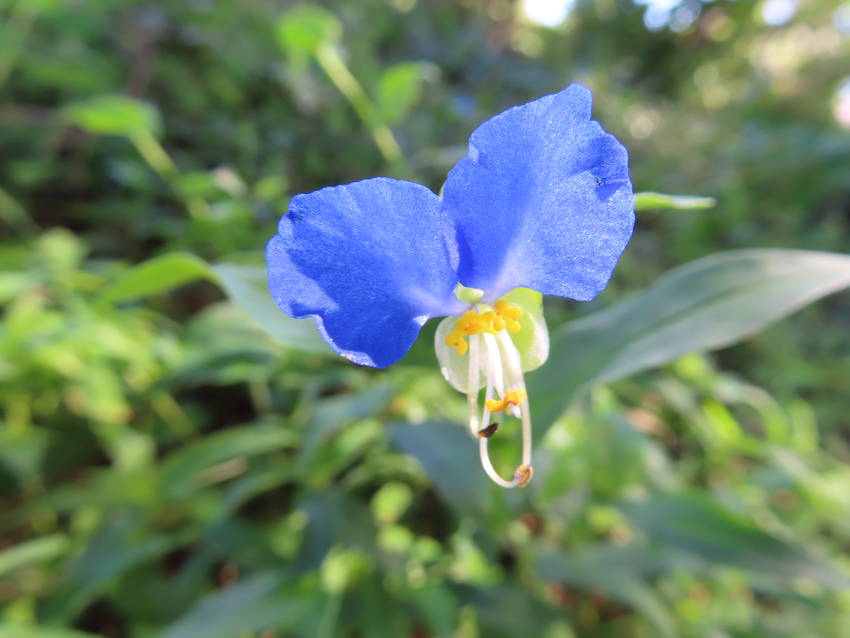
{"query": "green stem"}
(158, 159)
(334, 66)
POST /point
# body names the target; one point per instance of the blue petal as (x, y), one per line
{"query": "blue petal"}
(542, 201)
(368, 262)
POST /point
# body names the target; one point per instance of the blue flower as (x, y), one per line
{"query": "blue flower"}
(542, 201)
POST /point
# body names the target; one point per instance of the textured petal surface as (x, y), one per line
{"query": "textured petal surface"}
(543, 200)
(368, 262)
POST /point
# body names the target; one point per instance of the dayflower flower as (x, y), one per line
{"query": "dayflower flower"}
(542, 202)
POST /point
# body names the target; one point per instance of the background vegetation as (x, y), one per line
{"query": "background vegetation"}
(178, 461)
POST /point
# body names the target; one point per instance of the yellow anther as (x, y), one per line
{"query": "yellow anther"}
(456, 341)
(505, 316)
(508, 310)
(498, 323)
(485, 322)
(470, 323)
(512, 397)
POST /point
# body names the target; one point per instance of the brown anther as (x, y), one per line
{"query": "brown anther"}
(488, 430)
(524, 473)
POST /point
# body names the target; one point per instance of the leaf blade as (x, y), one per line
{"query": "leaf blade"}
(247, 288)
(156, 275)
(707, 304)
(700, 526)
(649, 200)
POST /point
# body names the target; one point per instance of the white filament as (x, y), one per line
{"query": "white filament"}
(502, 369)
(472, 383)
(514, 371)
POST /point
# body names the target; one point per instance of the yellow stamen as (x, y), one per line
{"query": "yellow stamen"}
(505, 317)
(508, 310)
(510, 314)
(512, 397)
(456, 341)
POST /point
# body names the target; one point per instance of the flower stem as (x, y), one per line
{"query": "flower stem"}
(160, 161)
(335, 68)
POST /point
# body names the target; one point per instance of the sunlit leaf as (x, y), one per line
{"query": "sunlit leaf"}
(399, 89)
(31, 552)
(156, 275)
(303, 29)
(113, 115)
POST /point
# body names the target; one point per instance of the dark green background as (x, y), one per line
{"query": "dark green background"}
(168, 468)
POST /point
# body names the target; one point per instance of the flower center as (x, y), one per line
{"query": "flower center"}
(504, 316)
(484, 334)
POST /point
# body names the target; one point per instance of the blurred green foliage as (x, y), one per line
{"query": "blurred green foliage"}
(179, 460)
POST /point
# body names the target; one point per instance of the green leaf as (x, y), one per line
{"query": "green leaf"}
(252, 605)
(710, 303)
(305, 28)
(449, 456)
(247, 287)
(32, 631)
(509, 610)
(13, 214)
(180, 471)
(696, 524)
(660, 201)
(616, 571)
(38, 550)
(334, 517)
(113, 115)
(156, 275)
(330, 415)
(399, 89)
(112, 552)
